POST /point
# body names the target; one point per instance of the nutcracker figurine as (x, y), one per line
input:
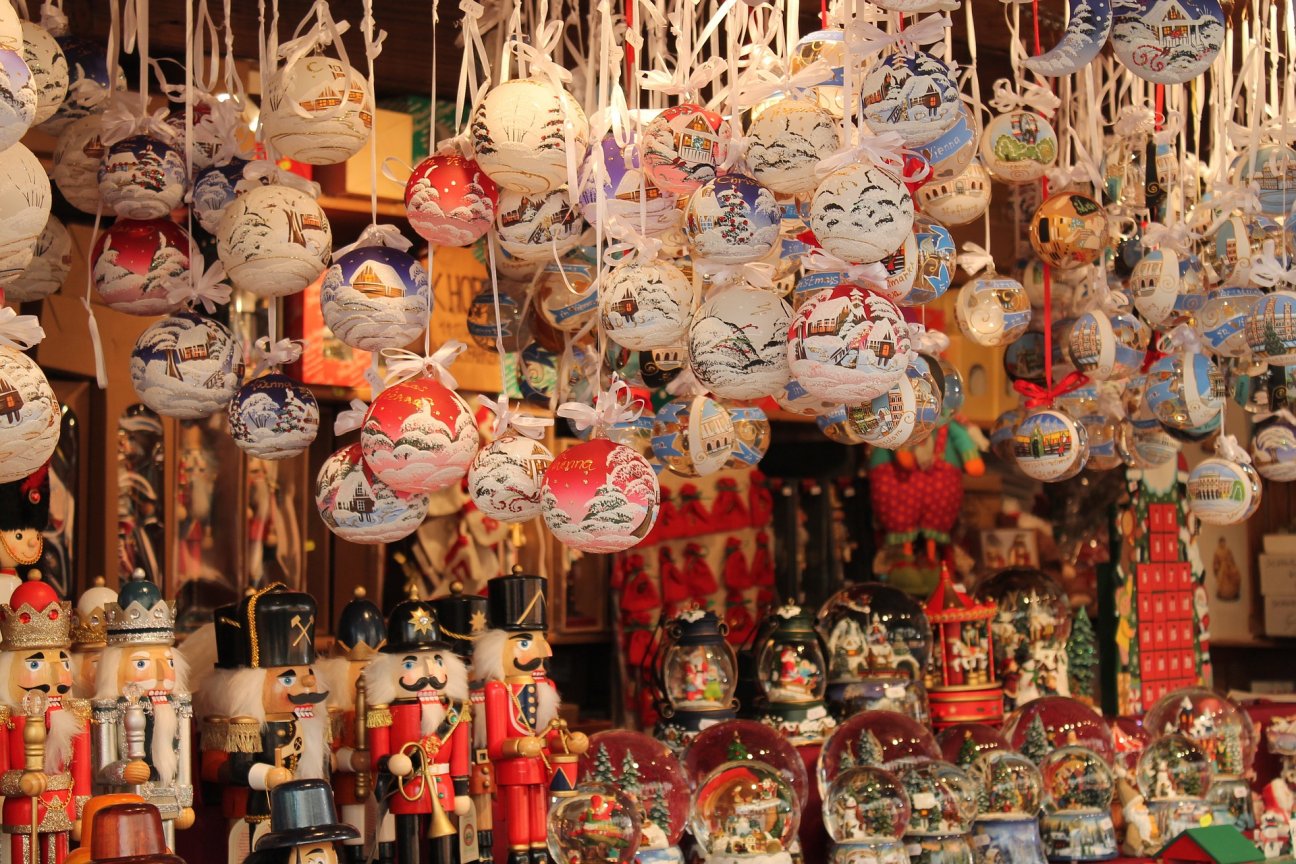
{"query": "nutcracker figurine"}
(212, 705)
(89, 636)
(418, 733)
(304, 828)
(24, 514)
(142, 710)
(46, 761)
(524, 736)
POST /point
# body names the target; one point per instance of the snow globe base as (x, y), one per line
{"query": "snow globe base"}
(678, 730)
(669, 855)
(1078, 835)
(938, 849)
(881, 850)
(802, 722)
(905, 695)
(997, 839)
(1230, 803)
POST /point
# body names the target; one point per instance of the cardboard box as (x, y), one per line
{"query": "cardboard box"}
(395, 132)
(1280, 615)
(1277, 574)
(1280, 544)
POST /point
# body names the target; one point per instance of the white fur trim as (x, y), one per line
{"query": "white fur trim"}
(488, 656)
(199, 652)
(547, 709)
(335, 674)
(257, 776)
(162, 747)
(315, 755)
(431, 716)
(64, 727)
(240, 694)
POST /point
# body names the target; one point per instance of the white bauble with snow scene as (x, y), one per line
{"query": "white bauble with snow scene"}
(627, 192)
(215, 187)
(30, 428)
(693, 436)
(419, 436)
(848, 344)
(505, 477)
(521, 132)
(905, 414)
(10, 27)
(318, 111)
(376, 297)
(449, 200)
(142, 177)
(88, 89)
(957, 200)
(136, 265)
(357, 506)
(737, 343)
(49, 267)
(1167, 41)
(18, 98)
(861, 213)
(532, 228)
(274, 241)
(787, 140)
(186, 366)
(993, 310)
(1168, 286)
(25, 200)
(273, 417)
(76, 163)
(732, 220)
(646, 305)
(1273, 449)
(600, 497)
(49, 68)
(913, 94)
(684, 147)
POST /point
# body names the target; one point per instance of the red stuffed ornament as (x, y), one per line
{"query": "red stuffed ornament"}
(639, 595)
(739, 618)
(728, 512)
(668, 519)
(675, 588)
(760, 501)
(762, 566)
(694, 516)
(698, 574)
(737, 576)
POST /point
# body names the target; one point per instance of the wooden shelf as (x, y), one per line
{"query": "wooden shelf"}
(354, 205)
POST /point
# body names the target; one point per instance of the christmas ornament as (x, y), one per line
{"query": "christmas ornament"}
(1077, 823)
(537, 374)
(1023, 358)
(376, 297)
(1270, 331)
(186, 366)
(912, 94)
(86, 62)
(505, 476)
(952, 153)
(1088, 26)
(1050, 445)
(357, 506)
(1224, 489)
(25, 204)
(647, 770)
(1272, 167)
(1150, 41)
(1069, 230)
(1238, 241)
(600, 497)
(737, 343)
(137, 265)
(142, 177)
(905, 414)
(18, 97)
(866, 813)
(1273, 449)
(901, 268)
(693, 436)
(215, 187)
(827, 47)
(795, 399)
(274, 241)
(1108, 347)
(646, 305)
(787, 140)
(1173, 775)
(1167, 286)
(957, 200)
(944, 805)
(861, 213)
(1221, 320)
(732, 219)
(1019, 147)
(848, 344)
(1184, 390)
(535, 227)
(934, 263)
(993, 310)
(565, 294)
(834, 422)
(318, 110)
(51, 262)
(751, 435)
(76, 163)
(683, 148)
(523, 132)
(449, 200)
(769, 816)
(31, 427)
(49, 69)
(484, 325)
(273, 417)
(629, 197)
(603, 824)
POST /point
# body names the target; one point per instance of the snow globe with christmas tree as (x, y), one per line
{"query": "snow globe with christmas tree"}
(744, 740)
(882, 739)
(647, 771)
(964, 743)
(793, 677)
(866, 813)
(1174, 775)
(697, 673)
(745, 812)
(1009, 792)
(1030, 629)
(943, 803)
(1057, 721)
(596, 823)
(1227, 736)
(1077, 823)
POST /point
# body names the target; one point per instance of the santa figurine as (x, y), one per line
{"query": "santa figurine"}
(24, 514)
(142, 710)
(418, 735)
(89, 636)
(45, 763)
(523, 731)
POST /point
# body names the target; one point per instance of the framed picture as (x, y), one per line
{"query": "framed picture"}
(1008, 547)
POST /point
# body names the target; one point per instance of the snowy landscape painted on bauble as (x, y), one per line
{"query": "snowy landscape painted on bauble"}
(186, 366)
(646, 305)
(142, 178)
(504, 480)
(612, 516)
(29, 436)
(457, 221)
(913, 95)
(303, 117)
(215, 187)
(51, 262)
(848, 345)
(410, 446)
(520, 135)
(738, 343)
(18, 98)
(359, 507)
(76, 163)
(274, 241)
(137, 265)
(273, 417)
(1089, 23)
(25, 200)
(861, 213)
(787, 141)
(732, 220)
(1194, 32)
(376, 297)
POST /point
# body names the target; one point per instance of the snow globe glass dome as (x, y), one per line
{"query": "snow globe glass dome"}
(1056, 721)
(963, 743)
(1078, 787)
(1030, 630)
(943, 803)
(596, 823)
(646, 770)
(866, 813)
(878, 642)
(1009, 795)
(1131, 738)
(745, 812)
(792, 676)
(886, 739)
(1173, 775)
(697, 674)
(736, 740)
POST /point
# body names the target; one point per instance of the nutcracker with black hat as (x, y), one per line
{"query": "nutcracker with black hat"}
(24, 515)
(531, 748)
(142, 709)
(212, 704)
(304, 827)
(359, 636)
(418, 734)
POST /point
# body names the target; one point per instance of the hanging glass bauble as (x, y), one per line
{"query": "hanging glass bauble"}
(505, 475)
(1270, 330)
(646, 305)
(693, 436)
(600, 497)
(25, 201)
(1167, 286)
(786, 141)
(274, 241)
(1273, 450)
(1184, 390)
(49, 69)
(957, 200)
(419, 436)
(732, 219)
(376, 297)
(1019, 147)
(1069, 230)
(76, 163)
(533, 228)
(861, 213)
(273, 417)
(737, 343)
(357, 506)
(142, 177)
(1050, 445)
(1222, 319)
(904, 415)
(449, 200)
(1222, 491)
(993, 310)
(51, 262)
(136, 265)
(31, 428)
(186, 366)
(913, 94)
(521, 134)
(319, 111)
(848, 344)
(683, 148)
(87, 61)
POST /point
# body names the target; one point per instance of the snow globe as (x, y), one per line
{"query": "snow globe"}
(693, 435)
(793, 677)
(697, 673)
(745, 812)
(878, 641)
(942, 805)
(738, 740)
(964, 743)
(1130, 738)
(732, 219)
(1173, 776)
(598, 823)
(882, 739)
(648, 772)
(1030, 629)
(1056, 721)
(1009, 793)
(1225, 734)
(1077, 823)
(866, 813)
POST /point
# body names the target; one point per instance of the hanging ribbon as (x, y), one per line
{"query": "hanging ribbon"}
(683, 82)
(308, 39)
(864, 38)
(53, 19)
(120, 122)
(611, 407)
(825, 262)
(199, 285)
(1268, 271)
(1227, 447)
(1104, 298)
(685, 384)
(19, 331)
(974, 259)
(1038, 395)
(924, 341)
(1177, 237)
(632, 246)
(886, 151)
(403, 365)
(758, 274)
(285, 352)
(1006, 98)
(263, 172)
(1182, 338)
(377, 235)
(508, 418)
(350, 419)
(759, 83)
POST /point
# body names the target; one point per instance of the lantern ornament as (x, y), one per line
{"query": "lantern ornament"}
(961, 682)
(697, 673)
(793, 677)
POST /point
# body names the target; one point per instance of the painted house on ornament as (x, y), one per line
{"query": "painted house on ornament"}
(194, 344)
(356, 497)
(698, 142)
(1174, 26)
(370, 284)
(11, 402)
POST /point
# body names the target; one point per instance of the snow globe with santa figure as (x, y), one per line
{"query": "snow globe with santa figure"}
(646, 770)
(1174, 775)
(596, 822)
(1077, 823)
(696, 673)
(1009, 792)
(1030, 630)
(745, 812)
(866, 813)
(942, 805)
(792, 674)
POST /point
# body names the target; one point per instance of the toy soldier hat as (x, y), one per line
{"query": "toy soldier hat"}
(25, 503)
(278, 627)
(517, 602)
(129, 834)
(413, 626)
(462, 617)
(35, 617)
(90, 617)
(229, 638)
(301, 813)
(360, 628)
(140, 615)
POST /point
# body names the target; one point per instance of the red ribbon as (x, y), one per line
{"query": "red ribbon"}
(1153, 353)
(1037, 395)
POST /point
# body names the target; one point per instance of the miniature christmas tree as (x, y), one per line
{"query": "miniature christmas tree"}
(737, 750)
(968, 752)
(630, 779)
(868, 749)
(603, 770)
(1082, 656)
(847, 760)
(878, 820)
(659, 815)
(1229, 760)
(1036, 746)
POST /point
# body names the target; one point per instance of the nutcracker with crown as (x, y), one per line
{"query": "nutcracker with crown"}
(24, 514)
(418, 734)
(89, 636)
(46, 757)
(143, 714)
(530, 747)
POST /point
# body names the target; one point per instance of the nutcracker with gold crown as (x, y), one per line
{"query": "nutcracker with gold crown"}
(46, 758)
(418, 734)
(531, 748)
(142, 709)
(24, 514)
(89, 636)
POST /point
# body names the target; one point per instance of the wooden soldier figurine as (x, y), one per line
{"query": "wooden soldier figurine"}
(304, 827)
(212, 704)
(89, 636)
(142, 709)
(418, 733)
(24, 515)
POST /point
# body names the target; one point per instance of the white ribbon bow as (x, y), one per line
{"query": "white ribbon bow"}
(974, 258)
(53, 19)
(759, 83)
(88, 93)
(1182, 338)
(758, 274)
(1037, 97)
(683, 81)
(321, 34)
(886, 151)
(285, 352)
(403, 365)
(351, 419)
(377, 235)
(1178, 237)
(1104, 297)
(924, 341)
(1268, 272)
(633, 246)
(1227, 198)
(19, 331)
(199, 285)
(539, 57)
(863, 38)
(1227, 447)
(119, 122)
(611, 407)
(505, 417)
(265, 172)
(825, 262)
(1135, 119)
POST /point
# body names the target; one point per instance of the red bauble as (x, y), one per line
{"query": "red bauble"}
(419, 436)
(135, 263)
(600, 497)
(450, 201)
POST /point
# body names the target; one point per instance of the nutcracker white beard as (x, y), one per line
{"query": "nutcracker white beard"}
(63, 727)
(431, 714)
(315, 744)
(163, 747)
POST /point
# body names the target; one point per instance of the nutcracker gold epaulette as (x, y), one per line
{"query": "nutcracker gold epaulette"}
(378, 717)
(6, 714)
(80, 708)
(244, 736)
(215, 734)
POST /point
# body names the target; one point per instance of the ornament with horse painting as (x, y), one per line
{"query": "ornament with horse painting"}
(142, 177)
(521, 132)
(1273, 450)
(693, 436)
(1108, 347)
(1223, 492)
(86, 61)
(1019, 147)
(905, 414)
(376, 297)
(751, 435)
(482, 320)
(1168, 286)
(505, 476)
(1168, 41)
(684, 147)
(274, 241)
(1273, 169)
(848, 344)
(1184, 390)
(312, 117)
(1222, 319)
(1271, 331)
(31, 428)
(273, 417)
(449, 200)
(993, 310)
(913, 94)
(76, 163)
(357, 506)
(950, 155)
(137, 264)
(186, 366)
(958, 200)
(214, 188)
(1049, 445)
(533, 227)
(419, 436)
(623, 189)
(738, 343)
(1069, 230)
(51, 262)
(787, 140)
(49, 68)
(565, 293)
(732, 220)
(861, 213)
(600, 497)
(646, 305)
(18, 98)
